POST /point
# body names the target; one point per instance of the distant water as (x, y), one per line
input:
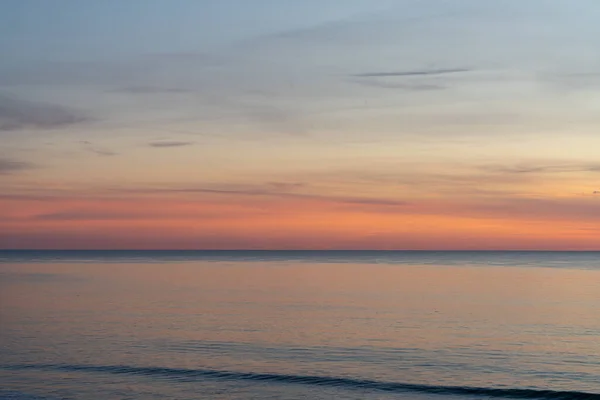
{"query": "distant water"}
(299, 325)
(547, 259)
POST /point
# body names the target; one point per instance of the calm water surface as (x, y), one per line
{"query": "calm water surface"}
(299, 325)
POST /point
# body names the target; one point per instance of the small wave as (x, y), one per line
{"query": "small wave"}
(329, 381)
(11, 395)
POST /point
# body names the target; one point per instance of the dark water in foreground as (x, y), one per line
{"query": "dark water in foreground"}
(299, 325)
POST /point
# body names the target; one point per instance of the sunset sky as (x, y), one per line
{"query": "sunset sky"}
(300, 124)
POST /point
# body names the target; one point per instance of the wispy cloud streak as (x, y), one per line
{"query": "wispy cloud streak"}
(424, 72)
(9, 166)
(171, 143)
(270, 190)
(17, 114)
(539, 169)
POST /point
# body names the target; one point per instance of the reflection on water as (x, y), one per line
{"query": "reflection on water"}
(483, 327)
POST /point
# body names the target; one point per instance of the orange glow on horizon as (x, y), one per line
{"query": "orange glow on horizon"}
(263, 223)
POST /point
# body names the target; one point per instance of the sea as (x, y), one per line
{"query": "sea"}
(299, 325)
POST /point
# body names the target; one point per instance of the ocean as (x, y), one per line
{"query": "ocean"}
(299, 325)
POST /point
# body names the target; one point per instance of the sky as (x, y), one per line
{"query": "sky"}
(300, 124)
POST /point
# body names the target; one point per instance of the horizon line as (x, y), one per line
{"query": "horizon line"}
(317, 250)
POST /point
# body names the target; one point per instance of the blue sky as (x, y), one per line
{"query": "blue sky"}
(76, 30)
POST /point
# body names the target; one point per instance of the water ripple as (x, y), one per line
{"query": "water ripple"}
(181, 374)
